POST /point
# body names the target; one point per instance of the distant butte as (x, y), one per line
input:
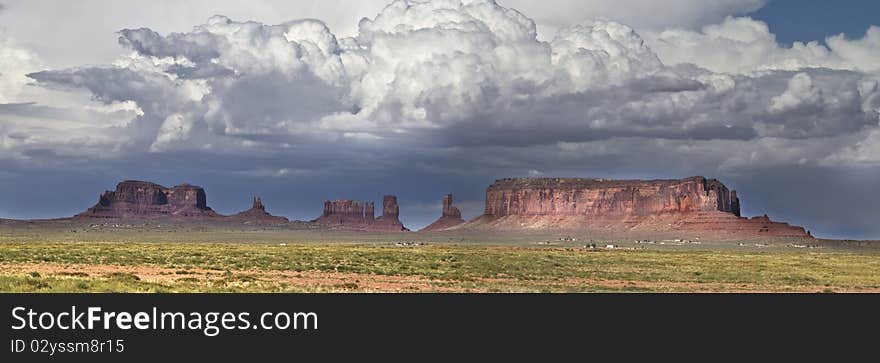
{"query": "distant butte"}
(451, 217)
(138, 199)
(258, 215)
(350, 215)
(698, 206)
(145, 200)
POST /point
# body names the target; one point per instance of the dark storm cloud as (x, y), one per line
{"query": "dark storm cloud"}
(206, 71)
(259, 103)
(110, 84)
(833, 202)
(651, 108)
(154, 93)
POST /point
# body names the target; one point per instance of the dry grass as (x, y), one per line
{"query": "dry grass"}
(264, 267)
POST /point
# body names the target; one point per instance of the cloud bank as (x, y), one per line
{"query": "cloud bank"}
(461, 88)
(641, 14)
(95, 21)
(458, 74)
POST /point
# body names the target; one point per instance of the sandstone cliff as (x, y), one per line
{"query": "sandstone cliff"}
(697, 205)
(352, 215)
(450, 218)
(137, 199)
(599, 197)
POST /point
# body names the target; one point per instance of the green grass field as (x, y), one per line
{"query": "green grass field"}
(377, 267)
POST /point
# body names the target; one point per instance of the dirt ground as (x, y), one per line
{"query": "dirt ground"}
(315, 280)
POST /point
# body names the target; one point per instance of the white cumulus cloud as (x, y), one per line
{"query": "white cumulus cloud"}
(743, 45)
(462, 73)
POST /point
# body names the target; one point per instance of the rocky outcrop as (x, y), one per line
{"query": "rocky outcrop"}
(390, 219)
(347, 213)
(450, 218)
(716, 224)
(352, 215)
(258, 215)
(449, 210)
(138, 199)
(696, 205)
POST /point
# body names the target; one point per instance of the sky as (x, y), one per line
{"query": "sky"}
(302, 101)
(799, 20)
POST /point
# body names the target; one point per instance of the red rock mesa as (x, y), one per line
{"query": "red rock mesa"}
(352, 215)
(697, 205)
(137, 199)
(451, 217)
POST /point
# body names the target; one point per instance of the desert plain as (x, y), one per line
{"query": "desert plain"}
(156, 257)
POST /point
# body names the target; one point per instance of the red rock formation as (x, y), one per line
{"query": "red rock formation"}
(697, 205)
(356, 216)
(599, 197)
(390, 219)
(370, 213)
(344, 213)
(727, 225)
(451, 217)
(450, 210)
(137, 199)
(390, 209)
(258, 215)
